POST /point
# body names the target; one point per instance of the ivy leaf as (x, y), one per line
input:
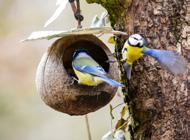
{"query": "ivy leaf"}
(124, 111)
(108, 136)
(111, 40)
(61, 6)
(99, 21)
(121, 124)
(119, 135)
(94, 21)
(111, 112)
(38, 35)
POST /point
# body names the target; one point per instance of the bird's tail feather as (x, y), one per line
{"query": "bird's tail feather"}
(111, 82)
(128, 69)
(170, 60)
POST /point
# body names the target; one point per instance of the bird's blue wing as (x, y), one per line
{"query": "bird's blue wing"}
(111, 82)
(99, 72)
(169, 59)
(94, 70)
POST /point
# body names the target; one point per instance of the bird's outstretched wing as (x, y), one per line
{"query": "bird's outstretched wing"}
(98, 72)
(111, 82)
(171, 60)
(94, 70)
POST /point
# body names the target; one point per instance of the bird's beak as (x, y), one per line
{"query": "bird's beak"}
(145, 42)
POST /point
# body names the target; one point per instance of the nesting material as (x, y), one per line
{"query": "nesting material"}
(55, 69)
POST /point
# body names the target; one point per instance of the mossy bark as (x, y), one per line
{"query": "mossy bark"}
(158, 101)
(115, 8)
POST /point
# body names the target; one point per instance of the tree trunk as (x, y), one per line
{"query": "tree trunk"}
(158, 101)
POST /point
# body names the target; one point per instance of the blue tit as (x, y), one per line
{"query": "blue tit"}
(88, 71)
(136, 46)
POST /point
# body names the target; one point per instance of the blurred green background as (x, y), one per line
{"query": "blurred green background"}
(23, 115)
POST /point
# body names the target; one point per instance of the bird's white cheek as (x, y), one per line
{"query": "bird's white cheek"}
(124, 57)
(124, 54)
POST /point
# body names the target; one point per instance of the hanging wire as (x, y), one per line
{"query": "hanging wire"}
(77, 12)
(88, 127)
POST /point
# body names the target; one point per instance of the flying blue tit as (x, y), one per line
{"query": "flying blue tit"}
(136, 46)
(88, 71)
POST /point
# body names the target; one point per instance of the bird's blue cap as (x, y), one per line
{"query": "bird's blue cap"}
(137, 40)
(77, 51)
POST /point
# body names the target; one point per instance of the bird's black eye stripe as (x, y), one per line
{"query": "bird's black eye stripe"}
(138, 45)
(135, 38)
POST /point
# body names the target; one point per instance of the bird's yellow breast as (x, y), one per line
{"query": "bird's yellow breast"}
(133, 53)
(87, 79)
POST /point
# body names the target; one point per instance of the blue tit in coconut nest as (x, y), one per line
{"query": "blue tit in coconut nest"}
(136, 46)
(88, 71)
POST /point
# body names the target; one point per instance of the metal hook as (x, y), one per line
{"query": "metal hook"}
(77, 12)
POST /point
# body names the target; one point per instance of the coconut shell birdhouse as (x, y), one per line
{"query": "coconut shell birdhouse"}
(55, 69)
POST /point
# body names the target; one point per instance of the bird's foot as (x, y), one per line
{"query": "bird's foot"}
(112, 54)
(70, 80)
(111, 61)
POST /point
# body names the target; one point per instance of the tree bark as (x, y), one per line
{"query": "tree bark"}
(158, 102)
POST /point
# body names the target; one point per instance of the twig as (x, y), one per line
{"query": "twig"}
(119, 33)
(118, 105)
(88, 127)
(126, 122)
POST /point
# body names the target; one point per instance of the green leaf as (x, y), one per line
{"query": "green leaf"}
(61, 6)
(111, 40)
(124, 111)
(121, 124)
(111, 111)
